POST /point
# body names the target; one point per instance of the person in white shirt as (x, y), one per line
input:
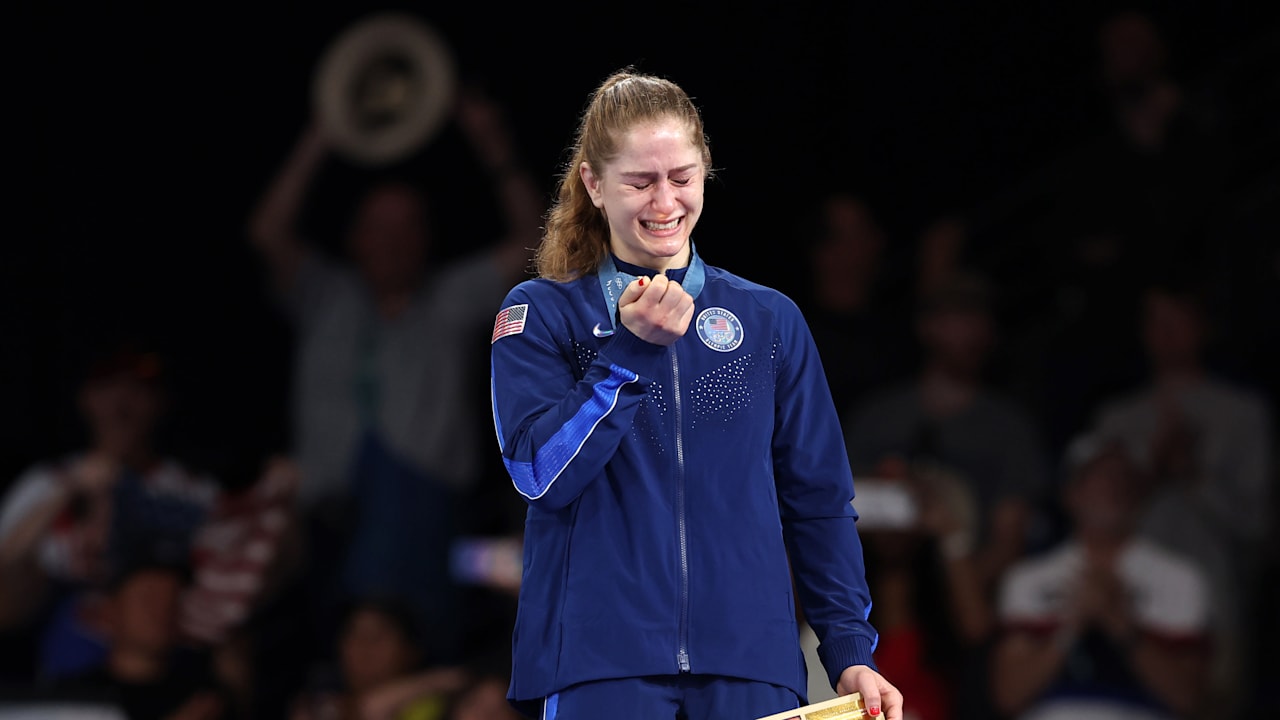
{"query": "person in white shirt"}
(1106, 624)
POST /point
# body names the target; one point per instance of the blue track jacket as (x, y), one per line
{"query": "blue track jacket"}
(669, 487)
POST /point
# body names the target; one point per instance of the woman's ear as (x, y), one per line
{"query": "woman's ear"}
(591, 182)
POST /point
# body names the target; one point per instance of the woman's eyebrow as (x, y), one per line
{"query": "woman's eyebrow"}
(650, 173)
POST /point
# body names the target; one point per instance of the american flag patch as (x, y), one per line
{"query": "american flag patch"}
(509, 322)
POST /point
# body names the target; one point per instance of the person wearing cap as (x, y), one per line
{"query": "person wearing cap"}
(1107, 624)
(66, 522)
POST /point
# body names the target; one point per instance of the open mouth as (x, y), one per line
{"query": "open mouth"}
(661, 226)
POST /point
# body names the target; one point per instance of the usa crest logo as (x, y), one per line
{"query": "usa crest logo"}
(719, 329)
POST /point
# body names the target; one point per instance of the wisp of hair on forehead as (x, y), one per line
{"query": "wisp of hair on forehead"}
(576, 236)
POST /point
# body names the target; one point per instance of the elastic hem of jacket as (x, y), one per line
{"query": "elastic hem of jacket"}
(839, 654)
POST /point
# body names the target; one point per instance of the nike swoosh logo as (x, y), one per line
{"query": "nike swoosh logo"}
(601, 333)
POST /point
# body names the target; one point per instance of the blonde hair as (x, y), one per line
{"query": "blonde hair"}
(576, 236)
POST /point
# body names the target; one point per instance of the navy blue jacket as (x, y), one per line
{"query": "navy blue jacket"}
(669, 488)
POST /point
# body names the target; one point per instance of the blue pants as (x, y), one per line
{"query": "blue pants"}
(669, 697)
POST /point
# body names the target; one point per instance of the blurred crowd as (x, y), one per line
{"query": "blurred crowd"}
(1060, 420)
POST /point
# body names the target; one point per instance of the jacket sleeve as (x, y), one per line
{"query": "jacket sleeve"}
(815, 490)
(556, 432)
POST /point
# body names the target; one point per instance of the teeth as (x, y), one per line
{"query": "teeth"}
(662, 226)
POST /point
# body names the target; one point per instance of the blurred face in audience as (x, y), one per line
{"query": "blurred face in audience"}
(1173, 331)
(122, 412)
(1103, 498)
(1131, 48)
(374, 650)
(958, 339)
(144, 612)
(389, 238)
(852, 242)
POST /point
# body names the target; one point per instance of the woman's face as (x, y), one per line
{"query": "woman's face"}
(651, 194)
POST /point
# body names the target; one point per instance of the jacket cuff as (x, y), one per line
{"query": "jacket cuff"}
(841, 653)
(627, 350)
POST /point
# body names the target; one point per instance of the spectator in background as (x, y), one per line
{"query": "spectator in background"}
(1106, 624)
(949, 416)
(385, 430)
(1151, 107)
(146, 673)
(1195, 434)
(381, 672)
(941, 253)
(1144, 189)
(933, 617)
(859, 339)
(69, 524)
(1204, 446)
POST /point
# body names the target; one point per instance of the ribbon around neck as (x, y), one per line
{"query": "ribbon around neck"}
(614, 281)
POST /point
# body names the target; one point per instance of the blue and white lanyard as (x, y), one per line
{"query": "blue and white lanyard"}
(613, 282)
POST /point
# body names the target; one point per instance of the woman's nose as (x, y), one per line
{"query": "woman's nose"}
(664, 198)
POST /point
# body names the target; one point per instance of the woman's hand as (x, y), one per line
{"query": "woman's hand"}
(657, 310)
(877, 694)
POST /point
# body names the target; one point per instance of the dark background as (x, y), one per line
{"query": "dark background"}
(144, 138)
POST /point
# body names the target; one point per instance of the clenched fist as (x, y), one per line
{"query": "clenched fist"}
(656, 310)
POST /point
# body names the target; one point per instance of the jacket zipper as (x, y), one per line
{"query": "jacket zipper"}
(682, 654)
